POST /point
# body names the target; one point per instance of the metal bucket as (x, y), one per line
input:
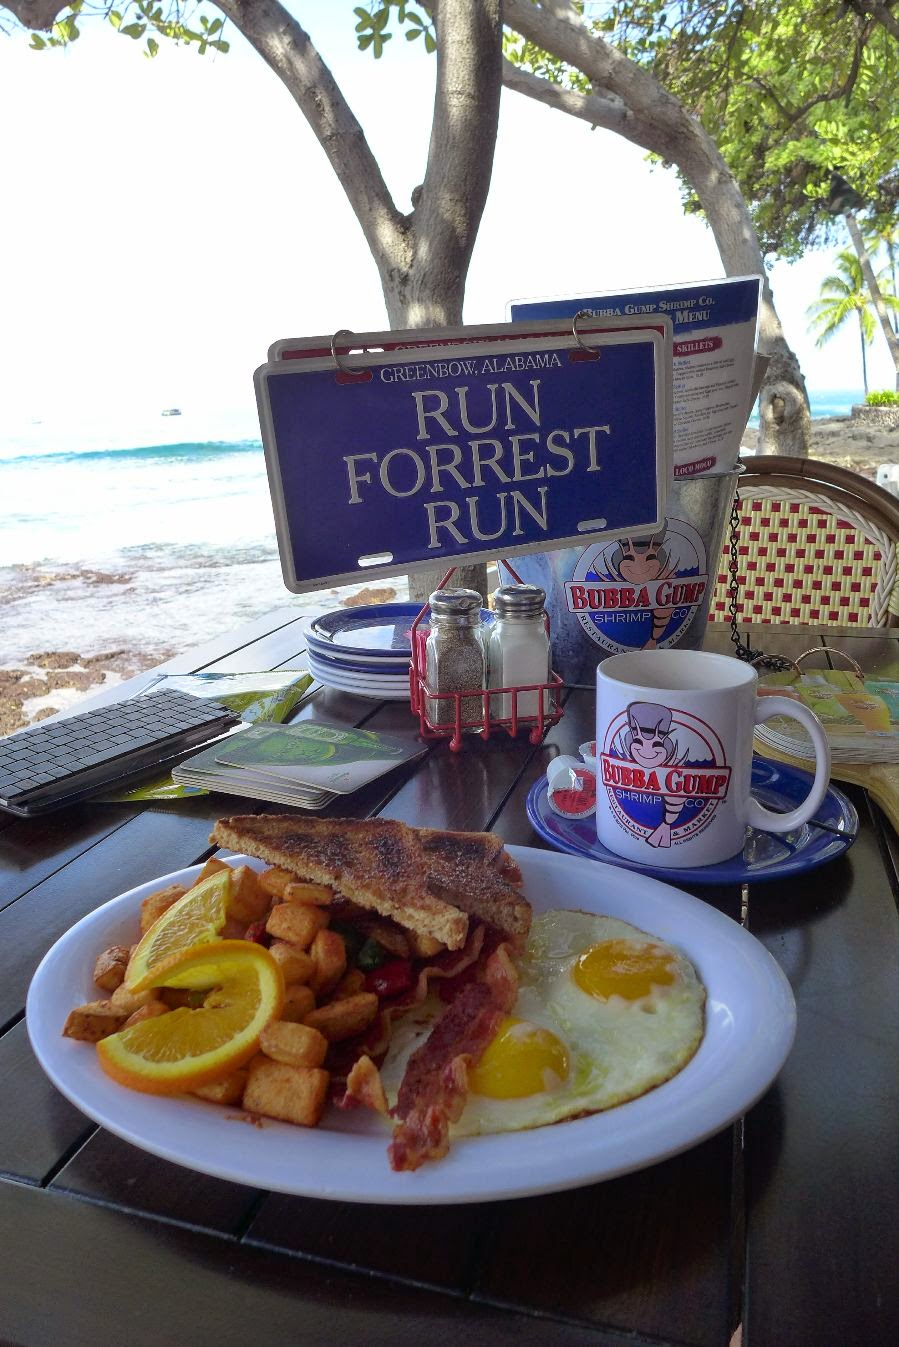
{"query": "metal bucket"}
(636, 592)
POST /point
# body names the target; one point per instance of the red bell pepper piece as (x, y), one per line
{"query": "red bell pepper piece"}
(390, 979)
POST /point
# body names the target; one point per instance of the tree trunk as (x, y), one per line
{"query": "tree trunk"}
(784, 418)
(873, 290)
(636, 106)
(422, 257)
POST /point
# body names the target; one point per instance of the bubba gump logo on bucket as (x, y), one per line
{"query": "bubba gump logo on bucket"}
(664, 772)
(640, 593)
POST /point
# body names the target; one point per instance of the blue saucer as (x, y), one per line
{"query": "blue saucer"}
(765, 856)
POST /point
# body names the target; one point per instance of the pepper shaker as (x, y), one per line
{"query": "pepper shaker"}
(455, 658)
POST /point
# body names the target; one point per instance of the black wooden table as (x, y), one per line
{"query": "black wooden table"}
(784, 1228)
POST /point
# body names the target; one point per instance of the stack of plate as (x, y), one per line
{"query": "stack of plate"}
(365, 651)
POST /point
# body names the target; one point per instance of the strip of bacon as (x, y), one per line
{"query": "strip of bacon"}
(435, 1086)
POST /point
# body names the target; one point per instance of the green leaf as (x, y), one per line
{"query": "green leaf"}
(115, 18)
(37, 42)
(430, 44)
(134, 30)
(365, 41)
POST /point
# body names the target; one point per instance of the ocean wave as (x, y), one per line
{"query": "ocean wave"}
(186, 449)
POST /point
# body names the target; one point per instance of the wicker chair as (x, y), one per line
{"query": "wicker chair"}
(817, 544)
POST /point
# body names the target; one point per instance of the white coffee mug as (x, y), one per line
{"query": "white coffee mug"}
(674, 757)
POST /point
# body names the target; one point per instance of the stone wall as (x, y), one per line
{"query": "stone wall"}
(879, 418)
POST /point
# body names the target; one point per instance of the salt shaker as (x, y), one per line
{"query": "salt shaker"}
(455, 659)
(518, 652)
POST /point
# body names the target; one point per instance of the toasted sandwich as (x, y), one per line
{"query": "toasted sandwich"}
(427, 881)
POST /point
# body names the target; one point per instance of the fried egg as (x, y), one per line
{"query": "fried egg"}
(604, 1013)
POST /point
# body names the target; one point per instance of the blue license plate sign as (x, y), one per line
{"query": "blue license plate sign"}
(431, 456)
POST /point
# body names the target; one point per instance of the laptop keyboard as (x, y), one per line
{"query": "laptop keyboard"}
(49, 765)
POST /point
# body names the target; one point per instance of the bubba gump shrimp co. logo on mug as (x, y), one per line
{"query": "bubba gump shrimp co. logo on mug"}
(640, 593)
(664, 771)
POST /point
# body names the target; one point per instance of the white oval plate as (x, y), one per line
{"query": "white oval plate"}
(388, 682)
(750, 1023)
(385, 689)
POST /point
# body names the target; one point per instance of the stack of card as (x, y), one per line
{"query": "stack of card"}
(306, 765)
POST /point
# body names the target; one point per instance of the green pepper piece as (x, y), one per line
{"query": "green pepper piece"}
(352, 938)
(371, 956)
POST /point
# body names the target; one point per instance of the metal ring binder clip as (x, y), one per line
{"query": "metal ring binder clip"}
(344, 368)
(593, 351)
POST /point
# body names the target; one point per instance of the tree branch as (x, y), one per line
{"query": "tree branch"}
(609, 113)
(878, 12)
(39, 15)
(659, 122)
(285, 46)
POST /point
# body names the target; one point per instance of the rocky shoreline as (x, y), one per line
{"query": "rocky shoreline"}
(847, 443)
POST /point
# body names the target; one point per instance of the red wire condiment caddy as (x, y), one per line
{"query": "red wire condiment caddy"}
(549, 704)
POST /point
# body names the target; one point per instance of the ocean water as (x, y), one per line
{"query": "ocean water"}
(825, 402)
(150, 536)
(147, 532)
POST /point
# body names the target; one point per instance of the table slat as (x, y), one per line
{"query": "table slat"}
(648, 1253)
(149, 1283)
(821, 1149)
(37, 1125)
(110, 1170)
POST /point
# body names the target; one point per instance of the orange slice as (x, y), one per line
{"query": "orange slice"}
(185, 1048)
(195, 919)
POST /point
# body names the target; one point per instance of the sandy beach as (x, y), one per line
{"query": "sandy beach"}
(71, 629)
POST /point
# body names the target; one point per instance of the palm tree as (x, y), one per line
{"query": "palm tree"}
(883, 232)
(843, 293)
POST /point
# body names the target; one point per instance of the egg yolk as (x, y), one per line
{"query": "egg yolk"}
(522, 1059)
(622, 968)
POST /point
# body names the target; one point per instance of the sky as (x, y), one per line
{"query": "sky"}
(162, 222)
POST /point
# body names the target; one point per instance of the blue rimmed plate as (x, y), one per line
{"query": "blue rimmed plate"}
(382, 631)
(765, 856)
(379, 631)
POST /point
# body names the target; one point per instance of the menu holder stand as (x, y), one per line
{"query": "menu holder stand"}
(549, 704)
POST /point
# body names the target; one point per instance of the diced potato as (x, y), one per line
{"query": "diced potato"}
(249, 901)
(389, 938)
(296, 964)
(364, 1084)
(93, 1021)
(329, 956)
(346, 1018)
(153, 906)
(128, 1002)
(318, 895)
(296, 924)
(351, 983)
(109, 970)
(227, 1091)
(295, 1044)
(295, 1094)
(147, 1012)
(275, 881)
(423, 946)
(212, 867)
(298, 1002)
